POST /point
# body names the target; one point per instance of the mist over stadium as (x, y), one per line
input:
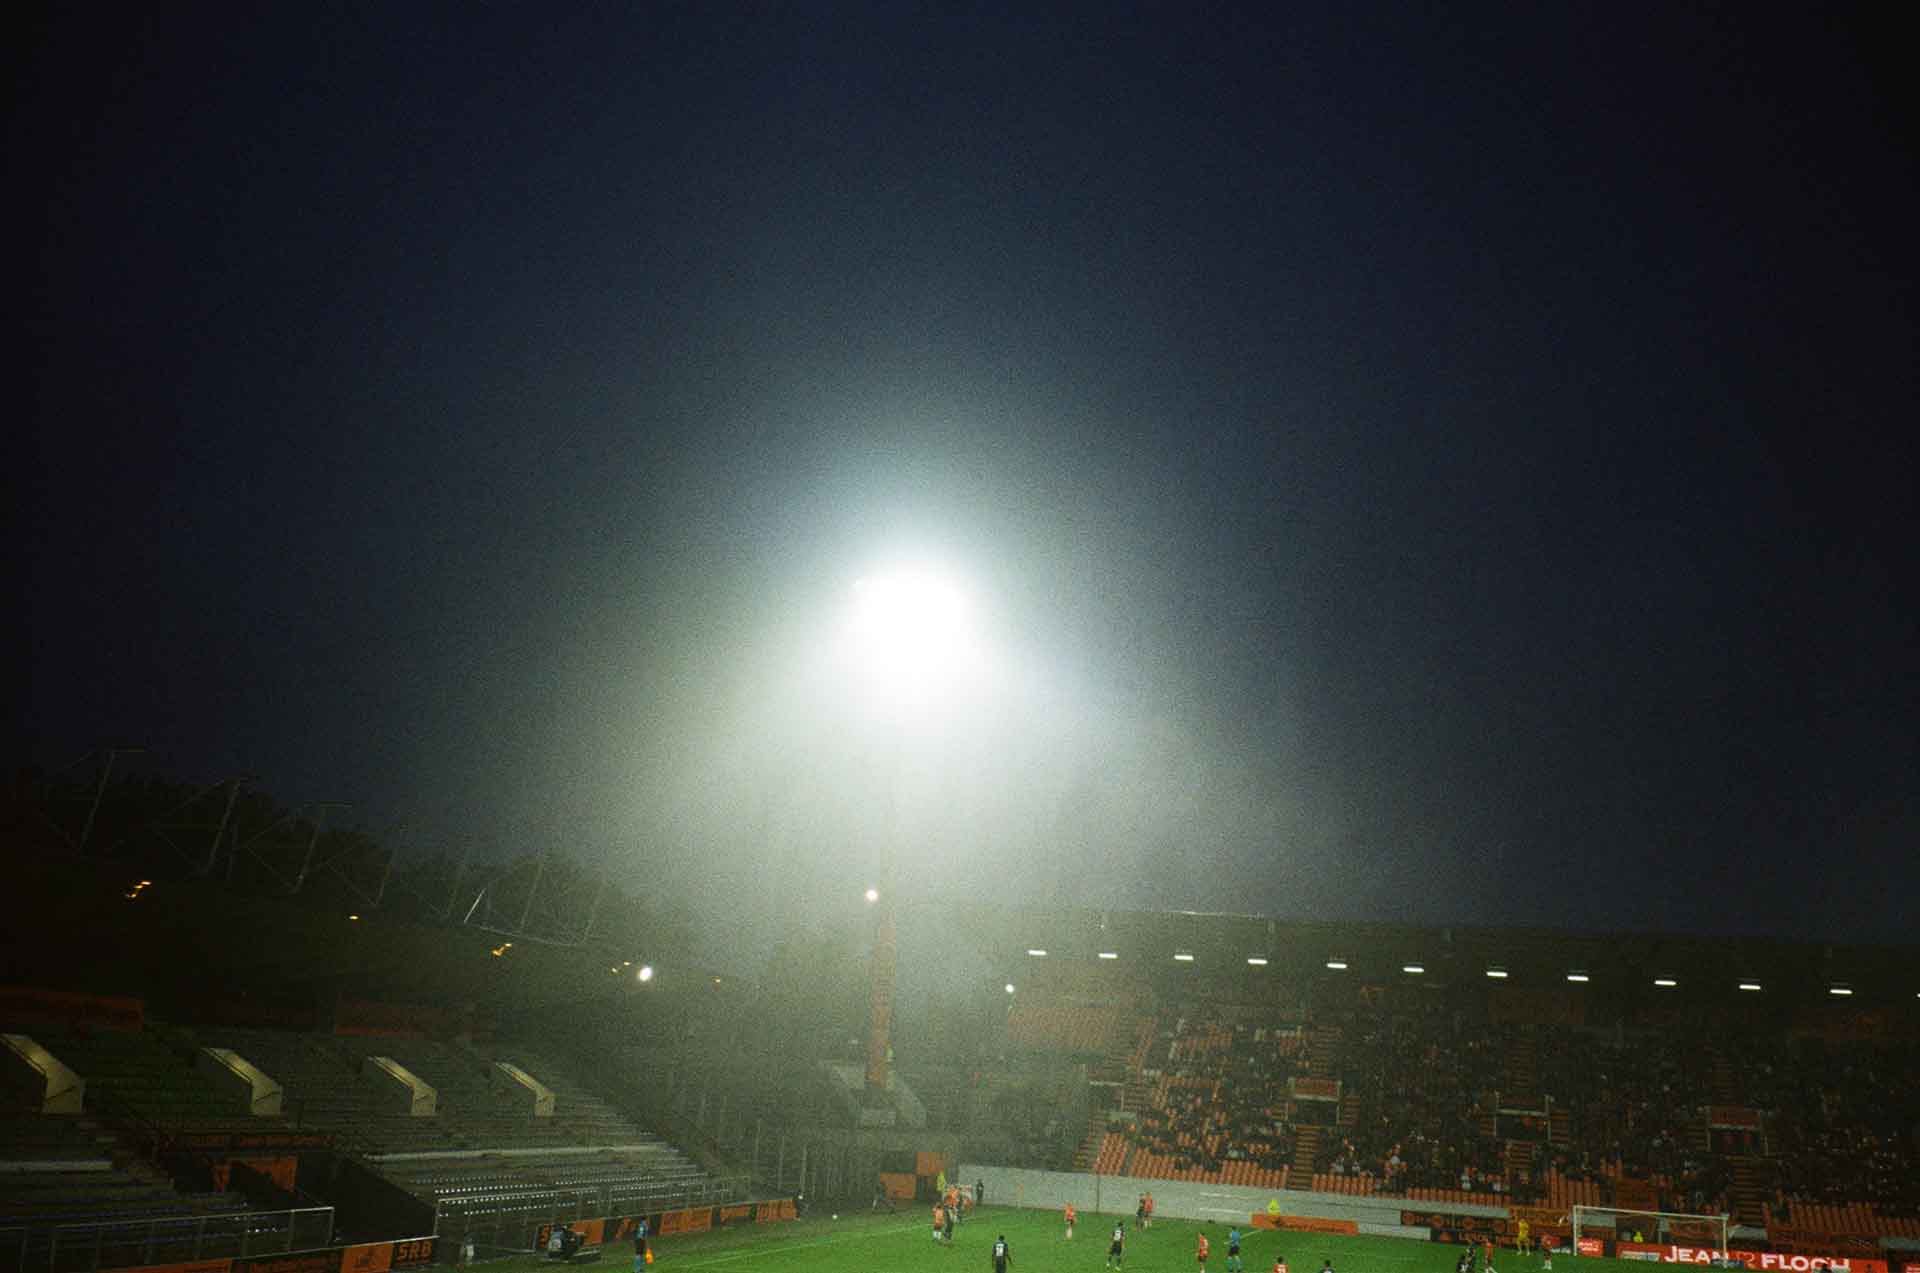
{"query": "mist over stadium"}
(819, 636)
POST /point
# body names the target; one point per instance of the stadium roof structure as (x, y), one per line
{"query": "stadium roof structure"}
(1231, 951)
(76, 925)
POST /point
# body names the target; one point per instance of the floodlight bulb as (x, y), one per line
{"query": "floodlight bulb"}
(1009, 987)
(645, 973)
(913, 634)
(873, 895)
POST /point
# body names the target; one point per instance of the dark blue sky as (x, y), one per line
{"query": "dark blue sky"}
(1443, 464)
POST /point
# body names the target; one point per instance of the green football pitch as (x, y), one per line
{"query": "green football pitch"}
(903, 1243)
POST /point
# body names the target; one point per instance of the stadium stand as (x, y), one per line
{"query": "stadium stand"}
(151, 1074)
(68, 1178)
(1438, 1102)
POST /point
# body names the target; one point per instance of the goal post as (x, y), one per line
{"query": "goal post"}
(1676, 1228)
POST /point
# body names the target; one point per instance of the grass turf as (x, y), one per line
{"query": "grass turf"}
(903, 1243)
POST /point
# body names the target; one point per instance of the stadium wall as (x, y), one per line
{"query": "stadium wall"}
(1193, 1200)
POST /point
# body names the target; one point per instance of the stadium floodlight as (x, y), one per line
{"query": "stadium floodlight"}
(1037, 953)
(1579, 977)
(1498, 974)
(1841, 991)
(1109, 954)
(1183, 957)
(1258, 961)
(1009, 987)
(1749, 985)
(913, 633)
(1665, 983)
(353, 917)
(873, 895)
(1337, 965)
(645, 973)
(1414, 969)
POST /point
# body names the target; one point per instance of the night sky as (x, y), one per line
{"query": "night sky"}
(1451, 464)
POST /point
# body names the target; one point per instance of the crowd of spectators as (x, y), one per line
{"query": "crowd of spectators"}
(1850, 1131)
(1421, 1077)
(1221, 1094)
(1423, 1080)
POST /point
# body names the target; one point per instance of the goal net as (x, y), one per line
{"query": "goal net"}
(1662, 1228)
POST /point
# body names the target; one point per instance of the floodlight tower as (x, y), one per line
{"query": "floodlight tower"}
(912, 640)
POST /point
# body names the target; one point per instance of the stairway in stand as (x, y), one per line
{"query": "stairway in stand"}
(1522, 1087)
(1517, 1163)
(1748, 1197)
(1305, 1148)
(1085, 1156)
(1323, 1048)
(1721, 1081)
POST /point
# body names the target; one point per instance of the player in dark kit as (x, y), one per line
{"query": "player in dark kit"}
(1001, 1255)
(1114, 1248)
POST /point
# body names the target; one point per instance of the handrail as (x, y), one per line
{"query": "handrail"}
(82, 1247)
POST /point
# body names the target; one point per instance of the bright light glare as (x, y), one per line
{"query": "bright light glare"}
(1415, 969)
(1109, 954)
(1338, 965)
(1037, 953)
(1498, 974)
(1842, 991)
(1578, 976)
(1665, 983)
(913, 634)
(873, 895)
(1749, 985)
(645, 973)
(1256, 961)
(1184, 957)
(1009, 987)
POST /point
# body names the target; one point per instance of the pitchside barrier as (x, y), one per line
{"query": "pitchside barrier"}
(365, 1257)
(606, 1231)
(1194, 1200)
(1400, 1217)
(157, 1240)
(1774, 1261)
(501, 1222)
